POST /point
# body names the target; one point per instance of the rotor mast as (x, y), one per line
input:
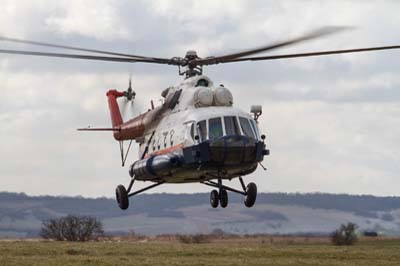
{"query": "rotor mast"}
(192, 69)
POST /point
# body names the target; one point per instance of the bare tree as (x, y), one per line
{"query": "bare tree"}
(345, 235)
(72, 228)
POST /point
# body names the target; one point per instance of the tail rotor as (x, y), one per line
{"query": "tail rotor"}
(126, 102)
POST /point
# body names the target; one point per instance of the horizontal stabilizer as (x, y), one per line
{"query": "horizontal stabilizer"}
(98, 129)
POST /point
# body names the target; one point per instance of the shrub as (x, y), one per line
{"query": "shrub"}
(72, 228)
(345, 235)
(193, 239)
(218, 232)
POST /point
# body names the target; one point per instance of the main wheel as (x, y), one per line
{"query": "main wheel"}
(223, 198)
(122, 197)
(251, 196)
(214, 198)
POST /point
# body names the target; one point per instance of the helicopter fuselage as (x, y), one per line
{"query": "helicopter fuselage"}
(195, 135)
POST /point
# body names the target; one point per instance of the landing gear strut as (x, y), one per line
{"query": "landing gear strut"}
(221, 196)
(217, 197)
(122, 194)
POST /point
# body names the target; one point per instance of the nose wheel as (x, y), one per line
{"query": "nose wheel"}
(220, 196)
(223, 198)
(214, 198)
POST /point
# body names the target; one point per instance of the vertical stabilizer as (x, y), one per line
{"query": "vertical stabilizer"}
(116, 117)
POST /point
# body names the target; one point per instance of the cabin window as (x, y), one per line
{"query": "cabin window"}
(231, 125)
(202, 128)
(246, 128)
(215, 128)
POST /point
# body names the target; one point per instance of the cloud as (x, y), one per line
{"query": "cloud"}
(332, 122)
(96, 19)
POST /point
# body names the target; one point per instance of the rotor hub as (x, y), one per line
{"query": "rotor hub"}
(191, 55)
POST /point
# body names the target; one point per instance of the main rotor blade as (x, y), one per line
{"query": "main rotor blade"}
(89, 57)
(2, 38)
(283, 56)
(312, 35)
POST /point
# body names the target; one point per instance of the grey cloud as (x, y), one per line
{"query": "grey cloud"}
(329, 120)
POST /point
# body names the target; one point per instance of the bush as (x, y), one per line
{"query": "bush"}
(72, 228)
(193, 239)
(218, 232)
(345, 235)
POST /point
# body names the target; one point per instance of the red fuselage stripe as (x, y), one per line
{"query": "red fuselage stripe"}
(165, 151)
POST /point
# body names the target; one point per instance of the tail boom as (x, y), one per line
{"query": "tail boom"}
(133, 128)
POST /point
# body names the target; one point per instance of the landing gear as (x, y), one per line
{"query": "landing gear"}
(122, 194)
(214, 198)
(221, 197)
(251, 191)
(122, 197)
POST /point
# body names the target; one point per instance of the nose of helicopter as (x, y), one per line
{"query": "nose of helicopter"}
(236, 149)
(231, 150)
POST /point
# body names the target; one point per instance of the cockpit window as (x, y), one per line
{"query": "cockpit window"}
(215, 128)
(202, 128)
(246, 128)
(192, 131)
(231, 125)
(254, 127)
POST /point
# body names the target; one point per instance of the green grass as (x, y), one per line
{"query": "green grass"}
(237, 252)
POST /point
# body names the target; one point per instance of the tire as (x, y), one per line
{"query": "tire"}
(223, 198)
(251, 191)
(214, 198)
(122, 197)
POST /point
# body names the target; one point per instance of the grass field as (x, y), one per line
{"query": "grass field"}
(239, 251)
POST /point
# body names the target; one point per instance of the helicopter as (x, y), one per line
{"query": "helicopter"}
(196, 135)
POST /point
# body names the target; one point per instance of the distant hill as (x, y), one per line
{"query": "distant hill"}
(151, 214)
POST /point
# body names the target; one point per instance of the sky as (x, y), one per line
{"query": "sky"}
(332, 123)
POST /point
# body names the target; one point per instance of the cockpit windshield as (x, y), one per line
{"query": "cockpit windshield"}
(202, 127)
(214, 128)
(231, 125)
(246, 128)
(254, 127)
